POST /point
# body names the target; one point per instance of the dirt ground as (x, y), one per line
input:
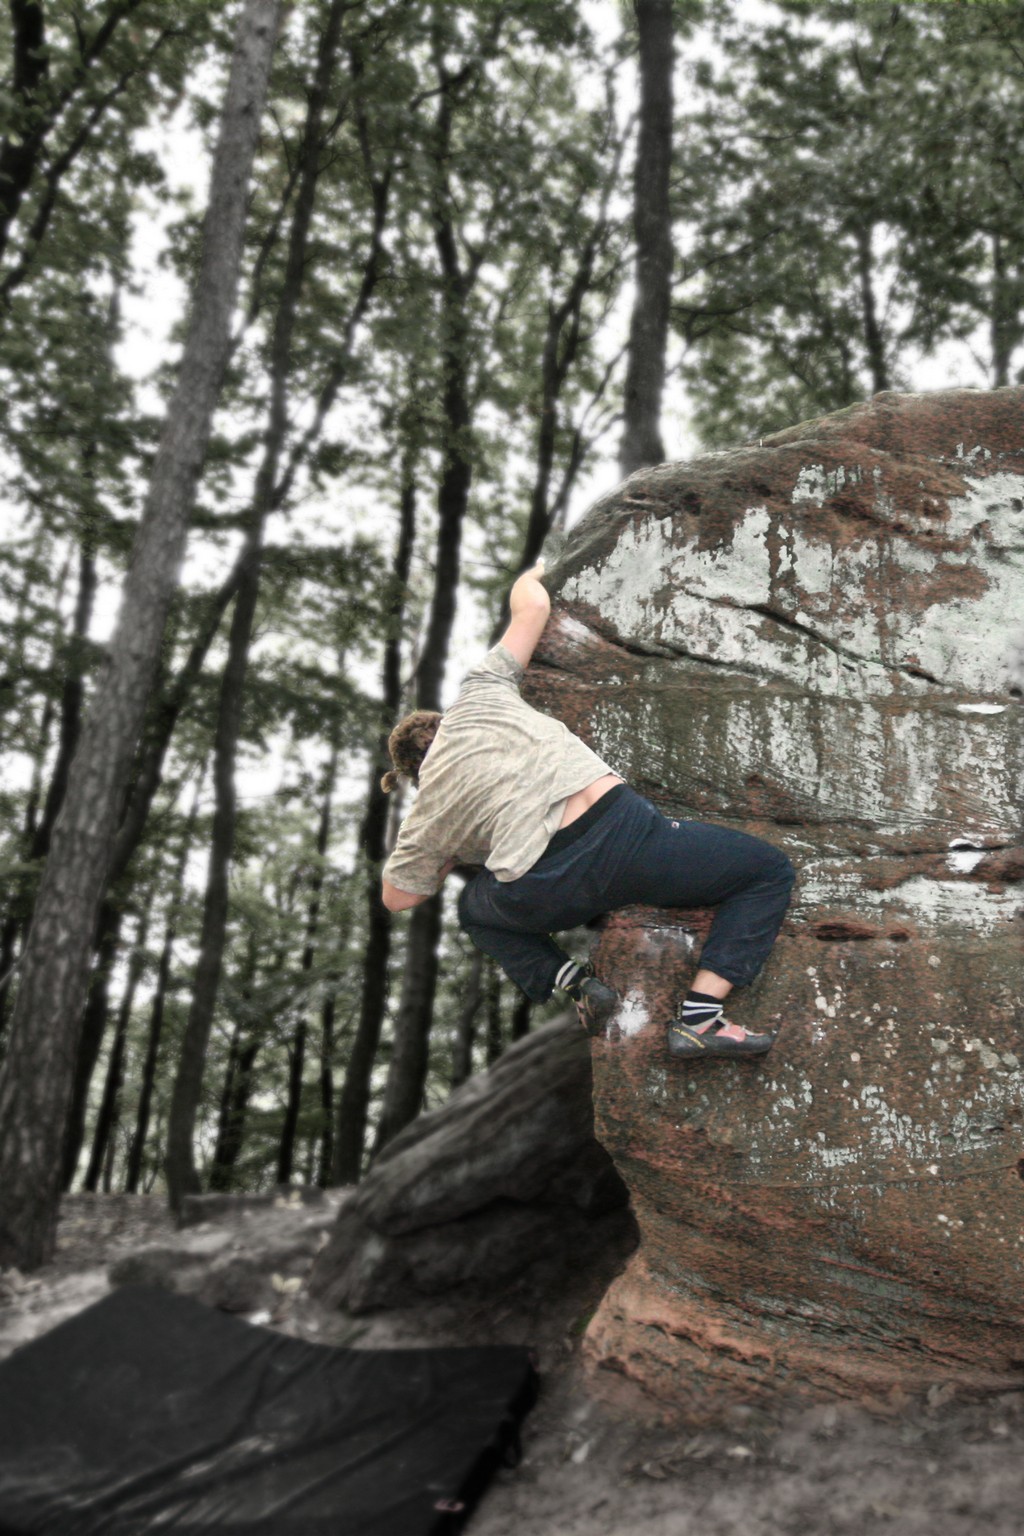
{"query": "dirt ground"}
(935, 1468)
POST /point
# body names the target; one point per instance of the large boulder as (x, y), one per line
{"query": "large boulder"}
(502, 1188)
(814, 638)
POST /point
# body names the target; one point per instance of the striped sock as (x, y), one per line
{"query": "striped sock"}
(572, 971)
(700, 1008)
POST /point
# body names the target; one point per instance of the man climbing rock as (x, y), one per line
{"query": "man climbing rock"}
(561, 839)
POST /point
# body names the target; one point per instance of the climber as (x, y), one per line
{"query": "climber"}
(557, 838)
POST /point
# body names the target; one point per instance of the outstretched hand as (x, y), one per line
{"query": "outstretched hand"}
(527, 591)
(529, 604)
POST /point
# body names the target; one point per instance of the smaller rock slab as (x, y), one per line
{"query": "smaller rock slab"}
(196, 1209)
(505, 1183)
(260, 1250)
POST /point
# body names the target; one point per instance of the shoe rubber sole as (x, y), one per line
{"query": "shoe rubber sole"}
(685, 1044)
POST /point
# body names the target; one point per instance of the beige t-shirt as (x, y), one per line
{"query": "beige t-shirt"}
(493, 787)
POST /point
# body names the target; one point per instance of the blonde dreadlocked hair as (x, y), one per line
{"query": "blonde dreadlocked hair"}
(408, 745)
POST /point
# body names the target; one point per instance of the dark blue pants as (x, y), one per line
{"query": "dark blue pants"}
(629, 852)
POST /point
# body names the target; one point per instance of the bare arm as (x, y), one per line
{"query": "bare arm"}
(397, 900)
(530, 606)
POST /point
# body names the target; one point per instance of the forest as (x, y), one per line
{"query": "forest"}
(446, 269)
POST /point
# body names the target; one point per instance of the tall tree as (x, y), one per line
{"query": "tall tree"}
(346, 1149)
(297, 1044)
(246, 1041)
(495, 1043)
(109, 1114)
(652, 225)
(19, 149)
(465, 1027)
(137, 1145)
(37, 1072)
(91, 1029)
(19, 892)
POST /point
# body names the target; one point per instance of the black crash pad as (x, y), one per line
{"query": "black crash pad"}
(150, 1412)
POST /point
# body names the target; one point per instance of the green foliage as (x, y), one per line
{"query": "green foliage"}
(844, 177)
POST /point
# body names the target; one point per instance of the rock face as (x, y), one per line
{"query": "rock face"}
(815, 638)
(503, 1185)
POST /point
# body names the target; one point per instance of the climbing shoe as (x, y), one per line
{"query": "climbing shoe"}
(595, 1002)
(684, 1041)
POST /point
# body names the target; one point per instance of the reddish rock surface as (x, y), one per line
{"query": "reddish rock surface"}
(817, 638)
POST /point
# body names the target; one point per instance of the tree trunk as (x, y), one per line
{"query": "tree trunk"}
(109, 1113)
(234, 1095)
(293, 1102)
(556, 360)
(874, 340)
(18, 903)
(521, 1016)
(182, 1177)
(652, 224)
(140, 797)
(219, 1168)
(137, 1147)
(495, 1043)
(465, 1030)
(35, 1085)
(8, 946)
(94, 1019)
(354, 1099)
(323, 1177)
(108, 1165)
(19, 892)
(297, 1056)
(156, 1021)
(129, 835)
(236, 1103)
(20, 150)
(157, 737)
(72, 696)
(90, 1037)
(407, 1069)
(1006, 324)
